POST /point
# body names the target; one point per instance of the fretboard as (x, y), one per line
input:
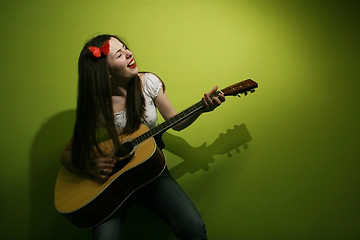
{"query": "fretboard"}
(168, 124)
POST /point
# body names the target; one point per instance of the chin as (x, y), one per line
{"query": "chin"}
(135, 73)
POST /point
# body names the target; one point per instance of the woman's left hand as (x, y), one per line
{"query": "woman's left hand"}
(210, 103)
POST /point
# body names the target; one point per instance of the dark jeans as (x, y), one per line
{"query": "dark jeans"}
(166, 199)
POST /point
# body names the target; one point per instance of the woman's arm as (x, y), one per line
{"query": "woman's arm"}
(167, 110)
(100, 168)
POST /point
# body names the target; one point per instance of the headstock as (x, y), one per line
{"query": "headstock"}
(240, 88)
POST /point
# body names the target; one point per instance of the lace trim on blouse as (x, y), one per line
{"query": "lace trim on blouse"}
(152, 86)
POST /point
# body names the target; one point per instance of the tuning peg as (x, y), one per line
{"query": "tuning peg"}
(245, 93)
(239, 95)
(252, 90)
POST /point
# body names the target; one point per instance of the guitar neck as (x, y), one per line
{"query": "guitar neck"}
(235, 89)
(168, 124)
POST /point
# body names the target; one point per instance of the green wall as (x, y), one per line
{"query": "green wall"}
(281, 163)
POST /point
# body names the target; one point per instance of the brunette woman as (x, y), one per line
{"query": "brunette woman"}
(115, 98)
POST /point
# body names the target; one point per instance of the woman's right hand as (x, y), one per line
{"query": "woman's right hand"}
(101, 168)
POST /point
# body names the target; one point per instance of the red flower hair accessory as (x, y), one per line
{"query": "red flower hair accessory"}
(97, 51)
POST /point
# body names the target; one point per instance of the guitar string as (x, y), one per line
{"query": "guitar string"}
(166, 125)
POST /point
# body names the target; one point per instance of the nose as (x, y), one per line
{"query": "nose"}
(128, 53)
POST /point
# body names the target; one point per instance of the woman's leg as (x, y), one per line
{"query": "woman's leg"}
(111, 229)
(166, 198)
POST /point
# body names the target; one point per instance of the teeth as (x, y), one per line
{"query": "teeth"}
(131, 63)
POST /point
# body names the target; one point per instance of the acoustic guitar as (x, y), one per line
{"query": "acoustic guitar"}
(87, 202)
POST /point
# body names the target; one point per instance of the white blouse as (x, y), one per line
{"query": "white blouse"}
(152, 86)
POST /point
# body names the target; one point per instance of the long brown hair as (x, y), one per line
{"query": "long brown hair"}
(94, 112)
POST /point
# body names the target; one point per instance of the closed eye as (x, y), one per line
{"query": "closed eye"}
(119, 51)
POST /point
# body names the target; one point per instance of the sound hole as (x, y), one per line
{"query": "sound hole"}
(122, 163)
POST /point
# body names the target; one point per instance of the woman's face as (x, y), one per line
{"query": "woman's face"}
(121, 62)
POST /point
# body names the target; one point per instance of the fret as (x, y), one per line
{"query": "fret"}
(152, 131)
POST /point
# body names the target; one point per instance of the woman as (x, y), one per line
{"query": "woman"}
(114, 98)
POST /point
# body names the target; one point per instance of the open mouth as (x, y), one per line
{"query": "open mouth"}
(131, 64)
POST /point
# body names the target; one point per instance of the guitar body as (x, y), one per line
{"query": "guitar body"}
(87, 202)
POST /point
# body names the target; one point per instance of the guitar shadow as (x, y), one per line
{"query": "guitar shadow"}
(46, 223)
(200, 158)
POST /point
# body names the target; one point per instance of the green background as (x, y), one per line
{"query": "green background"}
(282, 163)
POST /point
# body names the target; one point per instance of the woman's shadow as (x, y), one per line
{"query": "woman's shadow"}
(46, 223)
